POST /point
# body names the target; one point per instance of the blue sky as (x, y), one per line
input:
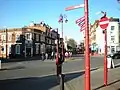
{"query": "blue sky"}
(18, 13)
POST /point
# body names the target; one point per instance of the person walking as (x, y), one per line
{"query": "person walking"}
(46, 56)
(42, 56)
(52, 54)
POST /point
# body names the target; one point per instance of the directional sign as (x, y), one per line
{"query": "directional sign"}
(104, 22)
(74, 7)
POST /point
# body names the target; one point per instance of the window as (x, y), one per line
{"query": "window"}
(112, 27)
(112, 38)
(17, 49)
(37, 48)
(37, 37)
(42, 38)
(17, 37)
(117, 48)
(112, 49)
(28, 36)
(48, 42)
(3, 49)
(3, 38)
(9, 37)
(9, 49)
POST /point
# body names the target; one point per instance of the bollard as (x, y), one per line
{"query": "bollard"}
(0, 65)
(61, 81)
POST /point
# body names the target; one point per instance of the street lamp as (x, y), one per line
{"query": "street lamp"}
(6, 41)
(62, 19)
(6, 38)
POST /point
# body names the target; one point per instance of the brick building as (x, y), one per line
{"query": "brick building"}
(27, 41)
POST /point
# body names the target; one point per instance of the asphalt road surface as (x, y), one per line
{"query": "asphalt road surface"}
(41, 75)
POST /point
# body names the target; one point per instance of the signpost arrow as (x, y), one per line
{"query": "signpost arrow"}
(74, 7)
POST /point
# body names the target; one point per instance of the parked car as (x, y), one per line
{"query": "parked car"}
(115, 55)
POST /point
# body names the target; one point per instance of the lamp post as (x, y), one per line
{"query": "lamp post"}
(6, 42)
(62, 19)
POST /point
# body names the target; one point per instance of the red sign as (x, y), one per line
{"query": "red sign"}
(104, 22)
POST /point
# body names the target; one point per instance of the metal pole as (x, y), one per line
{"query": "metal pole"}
(62, 43)
(105, 59)
(57, 55)
(87, 54)
(61, 81)
(6, 43)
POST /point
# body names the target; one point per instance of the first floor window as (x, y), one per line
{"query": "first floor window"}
(117, 48)
(9, 37)
(37, 37)
(3, 49)
(17, 37)
(9, 49)
(112, 38)
(37, 49)
(17, 48)
(112, 49)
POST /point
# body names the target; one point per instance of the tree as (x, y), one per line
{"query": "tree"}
(72, 43)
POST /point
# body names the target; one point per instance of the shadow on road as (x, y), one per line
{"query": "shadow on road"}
(117, 66)
(13, 68)
(36, 83)
(4, 60)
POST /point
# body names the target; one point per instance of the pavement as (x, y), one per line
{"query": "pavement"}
(97, 80)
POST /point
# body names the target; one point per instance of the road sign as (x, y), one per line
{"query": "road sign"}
(104, 22)
(74, 7)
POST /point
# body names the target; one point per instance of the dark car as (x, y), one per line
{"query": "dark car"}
(115, 55)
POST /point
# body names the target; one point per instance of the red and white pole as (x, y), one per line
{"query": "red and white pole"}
(87, 53)
(105, 59)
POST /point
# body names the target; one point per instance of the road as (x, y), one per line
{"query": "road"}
(40, 75)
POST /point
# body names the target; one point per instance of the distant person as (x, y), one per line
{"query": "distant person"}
(52, 55)
(46, 56)
(66, 54)
(42, 56)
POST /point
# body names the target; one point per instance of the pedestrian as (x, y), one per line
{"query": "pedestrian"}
(66, 54)
(46, 56)
(52, 55)
(42, 56)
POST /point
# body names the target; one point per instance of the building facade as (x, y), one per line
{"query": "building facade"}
(27, 41)
(92, 34)
(113, 37)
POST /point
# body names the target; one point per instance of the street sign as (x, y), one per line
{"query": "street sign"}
(104, 22)
(74, 7)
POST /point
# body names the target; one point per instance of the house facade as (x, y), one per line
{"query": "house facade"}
(92, 35)
(113, 37)
(28, 41)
